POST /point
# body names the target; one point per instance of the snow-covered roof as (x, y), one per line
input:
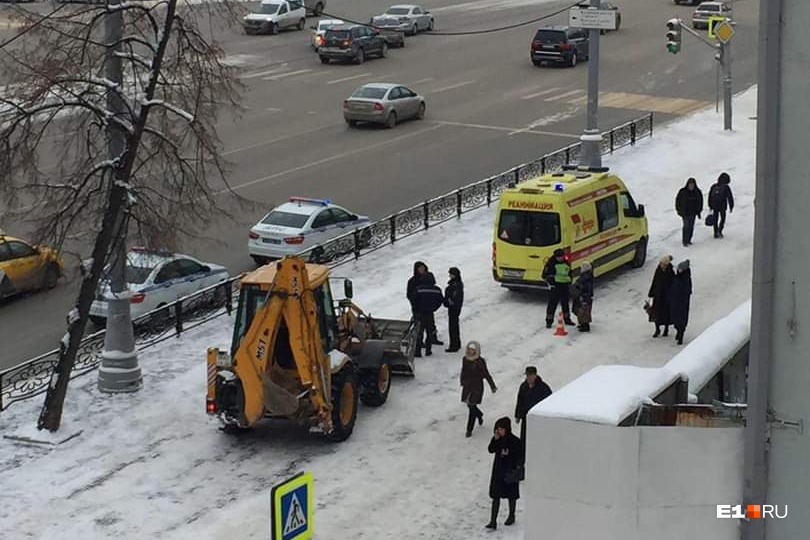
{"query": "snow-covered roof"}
(706, 355)
(606, 394)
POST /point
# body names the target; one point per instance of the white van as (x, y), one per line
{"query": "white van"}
(273, 16)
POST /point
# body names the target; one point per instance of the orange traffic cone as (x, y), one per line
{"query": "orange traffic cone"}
(560, 331)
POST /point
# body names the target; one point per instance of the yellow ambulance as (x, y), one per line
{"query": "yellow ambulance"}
(587, 212)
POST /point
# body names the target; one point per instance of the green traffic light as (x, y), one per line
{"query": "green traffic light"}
(674, 48)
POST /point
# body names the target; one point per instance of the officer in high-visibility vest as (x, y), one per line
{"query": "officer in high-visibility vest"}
(557, 274)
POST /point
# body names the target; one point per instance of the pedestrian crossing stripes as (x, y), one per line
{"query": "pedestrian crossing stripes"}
(625, 100)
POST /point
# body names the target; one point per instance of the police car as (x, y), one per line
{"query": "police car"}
(298, 225)
(156, 279)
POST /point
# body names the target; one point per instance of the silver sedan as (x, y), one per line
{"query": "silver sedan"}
(383, 103)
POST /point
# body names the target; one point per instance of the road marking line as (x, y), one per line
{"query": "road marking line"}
(540, 93)
(276, 69)
(510, 131)
(272, 110)
(582, 100)
(420, 81)
(451, 87)
(288, 74)
(326, 160)
(351, 77)
(279, 139)
(564, 95)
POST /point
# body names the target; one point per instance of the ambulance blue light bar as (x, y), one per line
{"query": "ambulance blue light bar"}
(323, 202)
(559, 187)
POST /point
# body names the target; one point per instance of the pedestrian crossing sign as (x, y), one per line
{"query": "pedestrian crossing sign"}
(292, 508)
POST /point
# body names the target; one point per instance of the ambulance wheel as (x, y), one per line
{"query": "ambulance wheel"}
(641, 254)
(344, 403)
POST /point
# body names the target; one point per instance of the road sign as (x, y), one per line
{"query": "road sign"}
(592, 19)
(724, 32)
(292, 508)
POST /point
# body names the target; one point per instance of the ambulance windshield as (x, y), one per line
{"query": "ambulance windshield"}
(524, 228)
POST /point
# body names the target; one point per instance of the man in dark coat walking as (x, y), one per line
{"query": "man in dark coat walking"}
(506, 471)
(659, 311)
(428, 299)
(473, 374)
(557, 273)
(453, 300)
(532, 391)
(689, 205)
(582, 297)
(720, 199)
(679, 298)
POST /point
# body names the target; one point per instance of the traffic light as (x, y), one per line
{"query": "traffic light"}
(674, 35)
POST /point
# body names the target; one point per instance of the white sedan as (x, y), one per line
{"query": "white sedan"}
(320, 30)
(412, 18)
(156, 279)
(299, 225)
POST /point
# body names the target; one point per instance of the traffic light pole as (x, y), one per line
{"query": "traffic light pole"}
(591, 138)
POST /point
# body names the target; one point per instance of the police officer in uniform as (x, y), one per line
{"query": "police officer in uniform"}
(557, 274)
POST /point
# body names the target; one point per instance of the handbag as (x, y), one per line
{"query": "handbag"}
(518, 474)
(710, 220)
(650, 310)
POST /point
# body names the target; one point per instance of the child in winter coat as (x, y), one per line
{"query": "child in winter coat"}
(582, 296)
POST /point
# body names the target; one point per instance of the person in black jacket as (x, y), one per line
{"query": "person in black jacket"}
(506, 471)
(659, 311)
(582, 296)
(721, 199)
(453, 300)
(532, 391)
(474, 372)
(421, 274)
(689, 205)
(680, 293)
(428, 299)
(557, 273)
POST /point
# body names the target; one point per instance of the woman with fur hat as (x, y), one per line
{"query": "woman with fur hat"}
(659, 311)
(679, 299)
(473, 374)
(507, 470)
(582, 297)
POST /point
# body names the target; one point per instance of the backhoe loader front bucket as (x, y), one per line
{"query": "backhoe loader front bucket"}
(400, 337)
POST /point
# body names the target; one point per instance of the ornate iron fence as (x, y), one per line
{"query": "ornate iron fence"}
(31, 378)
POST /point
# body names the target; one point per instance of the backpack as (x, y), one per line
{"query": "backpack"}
(715, 196)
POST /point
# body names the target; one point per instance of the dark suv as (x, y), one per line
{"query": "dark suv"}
(352, 42)
(559, 44)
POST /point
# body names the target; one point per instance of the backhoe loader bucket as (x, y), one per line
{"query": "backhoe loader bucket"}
(401, 344)
(277, 400)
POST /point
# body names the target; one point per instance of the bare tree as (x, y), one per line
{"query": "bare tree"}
(59, 112)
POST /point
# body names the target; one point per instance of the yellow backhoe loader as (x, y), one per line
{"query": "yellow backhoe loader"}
(299, 354)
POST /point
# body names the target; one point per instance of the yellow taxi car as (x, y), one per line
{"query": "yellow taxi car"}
(24, 267)
(587, 212)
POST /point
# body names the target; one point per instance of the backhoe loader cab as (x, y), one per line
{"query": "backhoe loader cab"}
(299, 354)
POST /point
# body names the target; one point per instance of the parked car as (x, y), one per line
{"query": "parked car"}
(391, 29)
(320, 30)
(315, 7)
(25, 267)
(298, 225)
(689, 2)
(272, 16)
(156, 279)
(412, 18)
(700, 17)
(352, 42)
(605, 6)
(560, 45)
(383, 103)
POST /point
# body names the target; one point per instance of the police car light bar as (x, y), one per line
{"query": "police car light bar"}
(324, 202)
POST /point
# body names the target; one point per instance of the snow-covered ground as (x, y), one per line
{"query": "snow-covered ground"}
(152, 465)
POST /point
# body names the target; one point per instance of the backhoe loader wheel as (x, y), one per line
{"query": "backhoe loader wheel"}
(376, 385)
(344, 403)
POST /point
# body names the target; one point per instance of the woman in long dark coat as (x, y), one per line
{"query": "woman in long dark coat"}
(679, 299)
(473, 374)
(506, 467)
(659, 292)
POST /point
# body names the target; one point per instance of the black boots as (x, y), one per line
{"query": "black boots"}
(658, 331)
(496, 506)
(511, 519)
(584, 327)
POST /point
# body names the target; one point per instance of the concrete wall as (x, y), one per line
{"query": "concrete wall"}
(591, 481)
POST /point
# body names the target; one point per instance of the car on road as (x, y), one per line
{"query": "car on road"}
(383, 103)
(689, 2)
(272, 16)
(298, 225)
(320, 29)
(412, 18)
(156, 279)
(701, 15)
(559, 45)
(315, 7)
(391, 29)
(352, 42)
(605, 6)
(26, 267)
